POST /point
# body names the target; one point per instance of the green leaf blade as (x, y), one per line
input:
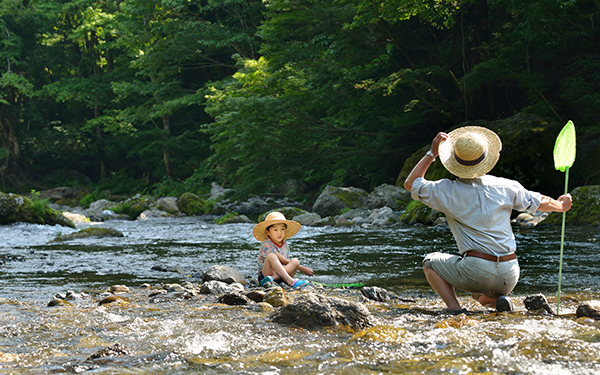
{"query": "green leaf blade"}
(565, 148)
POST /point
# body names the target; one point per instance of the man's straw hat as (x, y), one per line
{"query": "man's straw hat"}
(275, 218)
(470, 151)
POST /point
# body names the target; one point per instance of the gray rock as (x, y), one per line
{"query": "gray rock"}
(375, 293)
(383, 216)
(327, 221)
(168, 204)
(225, 274)
(395, 197)
(234, 298)
(57, 193)
(216, 287)
(334, 199)
(308, 218)
(153, 213)
(101, 205)
(314, 311)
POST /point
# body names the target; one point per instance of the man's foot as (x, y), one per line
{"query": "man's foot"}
(503, 304)
(299, 283)
(265, 280)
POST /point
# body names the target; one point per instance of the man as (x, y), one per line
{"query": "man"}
(478, 208)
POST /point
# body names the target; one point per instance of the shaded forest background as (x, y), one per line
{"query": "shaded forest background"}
(164, 97)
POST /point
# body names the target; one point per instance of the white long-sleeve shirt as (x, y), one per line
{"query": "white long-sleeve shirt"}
(478, 210)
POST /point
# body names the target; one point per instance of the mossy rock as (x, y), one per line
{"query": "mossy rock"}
(135, 206)
(333, 200)
(233, 218)
(16, 208)
(419, 213)
(89, 233)
(288, 212)
(192, 205)
(585, 209)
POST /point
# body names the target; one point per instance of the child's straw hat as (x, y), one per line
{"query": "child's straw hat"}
(470, 151)
(275, 218)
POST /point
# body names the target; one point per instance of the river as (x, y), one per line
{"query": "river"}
(194, 336)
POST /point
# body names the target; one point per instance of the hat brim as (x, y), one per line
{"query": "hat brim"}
(446, 152)
(259, 233)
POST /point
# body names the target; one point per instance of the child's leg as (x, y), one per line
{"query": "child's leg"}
(273, 267)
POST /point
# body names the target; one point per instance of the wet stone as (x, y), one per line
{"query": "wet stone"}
(234, 299)
(119, 289)
(537, 302)
(375, 293)
(111, 351)
(588, 311)
(256, 295)
(275, 297)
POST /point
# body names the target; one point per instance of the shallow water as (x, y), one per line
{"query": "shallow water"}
(199, 336)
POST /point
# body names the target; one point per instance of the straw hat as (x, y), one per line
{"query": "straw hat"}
(275, 218)
(470, 151)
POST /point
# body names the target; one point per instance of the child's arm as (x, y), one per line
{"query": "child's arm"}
(306, 270)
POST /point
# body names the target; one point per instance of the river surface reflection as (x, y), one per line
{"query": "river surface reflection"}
(185, 337)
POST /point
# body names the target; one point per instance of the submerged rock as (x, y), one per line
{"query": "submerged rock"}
(316, 311)
(111, 351)
(375, 293)
(275, 297)
(89, 233)
(588, 311)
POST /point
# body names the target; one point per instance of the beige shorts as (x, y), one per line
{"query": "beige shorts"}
(475, 275)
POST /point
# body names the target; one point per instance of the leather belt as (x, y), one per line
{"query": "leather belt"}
(490, 257)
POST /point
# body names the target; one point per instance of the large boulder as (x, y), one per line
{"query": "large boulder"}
(312, 310)
(334, 199)
(527, 148)
(386, 195)
(585, 209)
(16, 208)
(92, 232)
(224, 274)
(191, 204)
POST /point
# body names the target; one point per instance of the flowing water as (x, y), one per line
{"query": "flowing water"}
(199, 336)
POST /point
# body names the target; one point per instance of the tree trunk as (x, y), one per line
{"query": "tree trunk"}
(166, 153)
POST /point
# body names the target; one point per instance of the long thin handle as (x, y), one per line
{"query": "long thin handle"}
(562, 243)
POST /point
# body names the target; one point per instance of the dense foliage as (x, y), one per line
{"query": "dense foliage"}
(166, 96)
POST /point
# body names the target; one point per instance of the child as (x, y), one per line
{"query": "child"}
(274, 259)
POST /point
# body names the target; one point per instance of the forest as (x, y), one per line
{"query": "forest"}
(167, 96)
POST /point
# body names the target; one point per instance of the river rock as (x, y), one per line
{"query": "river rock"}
(386, 195)
(585, 209)
(113, 299)
(588, 311)
(225, 274)
(101, 205)
(111, 351)
(537, 302)
(234, 219)
(275, 296)
(89, 233)
(308, 218)
(119, 289)
(58, 193)
(256, 295)
(375, 293)
(383, 216)
(168, 204)
(16, 208)
(325, 222)
(234, 299)
(58, 302)
(314, 311)
(288, 212)
(216, 287)
(334, 199)
(153, 213)
(76, 218)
